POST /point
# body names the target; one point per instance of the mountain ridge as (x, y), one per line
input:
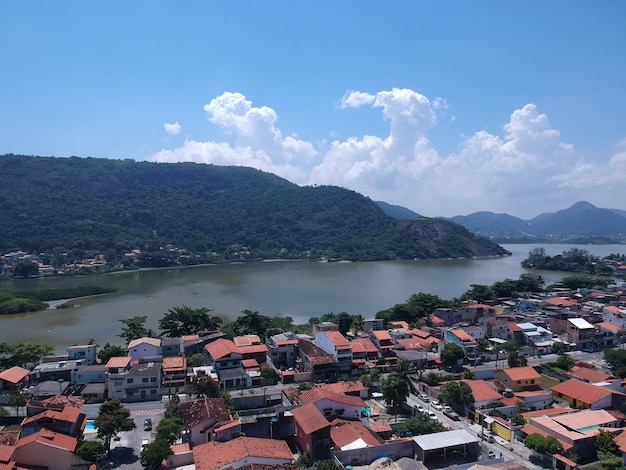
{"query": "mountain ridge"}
(206, 213)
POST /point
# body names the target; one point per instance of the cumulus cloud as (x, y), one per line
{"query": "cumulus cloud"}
(525, 170)
(172, 129)
(257, 142)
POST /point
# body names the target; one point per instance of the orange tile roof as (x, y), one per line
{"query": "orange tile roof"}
(482, 391)
(14, 375)
(337, 338)
(607, 325)
(317, 394)
(344, 433)
(221, 348)
(118, 362)
(547, 412)
(559, 301)
(49, 438)
(513, 326)
(363, 345)
(214, 455)
(345, 387)
(8, 441)
(522, 373)
(582, 391)
(381, 426)
(411, 343)
(309, 418)
(253, 349)
(69, 414)
(400, 324)
(247, 340)
(382, 335)
(211, 411)
(420, 333)
(462, 335)
(590, 375)
(178, 362)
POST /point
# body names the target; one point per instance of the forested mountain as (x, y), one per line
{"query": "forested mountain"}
(581, 221)
(218, 212)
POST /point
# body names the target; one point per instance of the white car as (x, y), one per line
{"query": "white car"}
(424, 397)
(432, 416)
(436, 405)
(420, 408)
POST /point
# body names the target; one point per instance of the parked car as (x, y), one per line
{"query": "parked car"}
(432, 416)
(424, 397)
(420, 409)
(144, 443)
(491, 454)
(436, 405)
(147, 424)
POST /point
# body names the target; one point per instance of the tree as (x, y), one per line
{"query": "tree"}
(518, 420)
(252, 323)
(90, 450)
(515, 360)
(169, 429)
(196, 360)
(153, 454)
(304, 461)
(542, 444)
(565, 362)
(109, 351)
(135, 328)
(205, 386)
(19, 400)
(23, 354)
(417, 426)
(605, 442)
(112, 419)
(457, 394)
(181, 321)
(479, 293)
(344, 322)
(397, 386)
(451, 354)
(26, 268)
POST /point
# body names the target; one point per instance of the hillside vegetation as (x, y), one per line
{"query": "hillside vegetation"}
(209, 212)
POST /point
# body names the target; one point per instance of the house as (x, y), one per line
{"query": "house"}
(462, 339)
(144, 347)
(226, 357)
(181, 456)
(580, 394)
(332, 404)
(312, 432)
(250, 347)
(322, 366)
(606, 334)
(448, 316)
(373, 324)
(172, 347)
(536, 337)
(69, 420)
(582, 333)
(8, 441)
(14, 378)
(117, 368)
(485, 396)
(335, 344)
(241, 452)
(208, 419)
(350, 435)
(281, 350)
(143, 380)
(84, 353)
(592, 376)
(474, 311)
(47, 449)
(383, 342)
(174, 373)
(90, 373)
(363, 353)
(518, 379)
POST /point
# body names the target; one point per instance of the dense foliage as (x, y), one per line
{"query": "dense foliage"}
(33, 301)
(17, 303)
(418, 425)
(23, 354)
(574, 260)
(205, 213)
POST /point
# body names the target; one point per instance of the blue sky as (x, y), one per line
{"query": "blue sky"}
(444, 107)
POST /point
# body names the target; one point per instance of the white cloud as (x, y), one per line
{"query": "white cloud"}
(356, 99)
(172, 129)
(525, 171)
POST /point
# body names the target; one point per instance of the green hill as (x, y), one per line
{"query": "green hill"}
(112, 206)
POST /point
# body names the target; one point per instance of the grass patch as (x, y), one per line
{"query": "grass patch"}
(547, 383)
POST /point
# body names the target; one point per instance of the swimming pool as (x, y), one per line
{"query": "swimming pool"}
(89, 426)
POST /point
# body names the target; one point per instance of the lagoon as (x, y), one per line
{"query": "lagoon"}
(298, 289)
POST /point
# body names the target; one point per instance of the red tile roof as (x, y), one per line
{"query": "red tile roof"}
(49, 438)
(381, 426)
(522, 373)
(215, 455)
(381, 335)
(118, 362)
(337, 338)
(221, 348)
(582, 391)
(363, 346)
(315, 355)
(343, 433)
(14, 374)
(247, 340)
(69, 414)
(211, 411)
(317, 394)
(174, 363)
(309, 418)
(482, 391)
(345, 387)
(590, 375)
(462, 335)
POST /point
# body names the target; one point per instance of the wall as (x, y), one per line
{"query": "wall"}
(393, 449)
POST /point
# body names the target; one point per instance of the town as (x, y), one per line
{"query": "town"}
(519, 383)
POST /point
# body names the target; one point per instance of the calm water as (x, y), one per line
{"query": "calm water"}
(300, 290)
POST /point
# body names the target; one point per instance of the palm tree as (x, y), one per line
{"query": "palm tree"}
(397, 386)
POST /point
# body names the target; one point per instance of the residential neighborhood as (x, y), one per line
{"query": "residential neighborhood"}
(528, 366)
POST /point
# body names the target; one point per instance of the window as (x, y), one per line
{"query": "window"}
(153, 379)
(129, 381)
(144, 380)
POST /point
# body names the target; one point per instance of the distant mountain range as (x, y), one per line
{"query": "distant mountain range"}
(205, 213)
(582, 222)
